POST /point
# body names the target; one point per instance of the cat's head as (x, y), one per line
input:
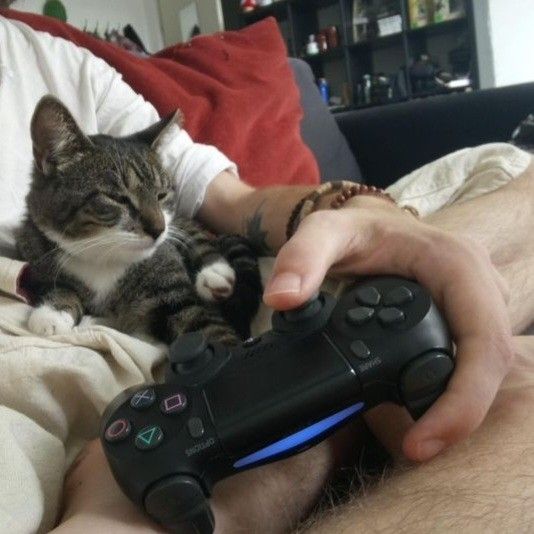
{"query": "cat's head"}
(99, 197)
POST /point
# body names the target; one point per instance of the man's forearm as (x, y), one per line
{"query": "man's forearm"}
(261, 215)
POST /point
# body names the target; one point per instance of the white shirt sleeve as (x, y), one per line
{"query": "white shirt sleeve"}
(120, 111)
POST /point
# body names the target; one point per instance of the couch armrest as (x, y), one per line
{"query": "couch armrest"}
(391, 141)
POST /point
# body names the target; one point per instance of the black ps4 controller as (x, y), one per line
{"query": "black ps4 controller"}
(222, 410)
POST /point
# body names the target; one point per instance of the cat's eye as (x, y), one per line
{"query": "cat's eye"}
(162, 196)
(122, 199)
(104, 211)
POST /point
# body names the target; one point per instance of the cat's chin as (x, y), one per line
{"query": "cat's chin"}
(128, 255)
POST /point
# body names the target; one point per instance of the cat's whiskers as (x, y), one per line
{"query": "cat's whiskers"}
(179, 232)
(57, 248)
(78, 249)
(114, 246)
(179, 242)
(47, 254)
(178, 236)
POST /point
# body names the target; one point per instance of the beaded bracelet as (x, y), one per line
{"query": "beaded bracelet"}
(308, 204)
(353, 190)
(346, 189)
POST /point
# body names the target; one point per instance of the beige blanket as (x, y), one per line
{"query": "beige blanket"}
(53, 391)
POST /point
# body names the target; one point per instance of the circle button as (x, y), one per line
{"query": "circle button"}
(118, 430)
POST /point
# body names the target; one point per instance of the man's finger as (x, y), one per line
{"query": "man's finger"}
(474, 306)
(463, 406)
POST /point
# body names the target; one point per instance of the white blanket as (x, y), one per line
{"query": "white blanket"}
(53, 391)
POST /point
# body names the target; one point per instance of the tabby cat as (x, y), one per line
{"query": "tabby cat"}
(101, 238)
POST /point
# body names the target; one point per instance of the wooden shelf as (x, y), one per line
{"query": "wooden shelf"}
(347, 64)
(276, 8)
(378, 42)
(314, 4)
(334, 53)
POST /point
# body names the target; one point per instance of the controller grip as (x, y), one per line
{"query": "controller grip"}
(179, 504)
(424, 380)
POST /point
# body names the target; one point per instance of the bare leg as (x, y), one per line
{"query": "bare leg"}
(269, 499)
(503, 221)
(481, 485)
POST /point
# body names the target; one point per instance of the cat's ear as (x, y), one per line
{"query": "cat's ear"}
(156, 134)
(56, 137)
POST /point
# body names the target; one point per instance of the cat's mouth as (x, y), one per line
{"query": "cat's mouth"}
(147, 244)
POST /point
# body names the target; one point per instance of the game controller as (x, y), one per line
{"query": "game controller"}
(222, 410)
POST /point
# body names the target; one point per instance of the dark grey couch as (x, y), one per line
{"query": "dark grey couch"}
(381, 144)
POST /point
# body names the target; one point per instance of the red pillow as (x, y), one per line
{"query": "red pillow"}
(236, 89)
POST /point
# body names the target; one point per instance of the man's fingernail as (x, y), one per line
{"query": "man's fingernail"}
(429, 449)
(284, 283)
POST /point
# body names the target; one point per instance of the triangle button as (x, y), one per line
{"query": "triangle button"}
(149, 437)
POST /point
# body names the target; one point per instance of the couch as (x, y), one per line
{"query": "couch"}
(381, 144)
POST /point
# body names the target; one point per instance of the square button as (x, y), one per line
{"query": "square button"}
(173, 404)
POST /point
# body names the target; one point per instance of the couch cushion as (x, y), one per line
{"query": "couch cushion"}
(320, 131)
(236, 90)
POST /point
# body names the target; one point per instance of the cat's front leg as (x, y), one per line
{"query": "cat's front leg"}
(215, 281)
(213, 276)
(58, 311)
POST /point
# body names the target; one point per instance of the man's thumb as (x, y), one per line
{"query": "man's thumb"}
(301, 266)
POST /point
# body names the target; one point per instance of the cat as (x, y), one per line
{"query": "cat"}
(101, 238)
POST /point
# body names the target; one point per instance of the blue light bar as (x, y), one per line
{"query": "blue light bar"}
(300, 438)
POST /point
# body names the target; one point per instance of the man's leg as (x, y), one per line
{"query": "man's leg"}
(269, 499)
(482, 485)
(503, 221)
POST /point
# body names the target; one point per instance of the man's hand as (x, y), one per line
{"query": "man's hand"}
(371, 237)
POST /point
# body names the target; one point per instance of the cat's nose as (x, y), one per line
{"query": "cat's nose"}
(155, 230)
(154, 226)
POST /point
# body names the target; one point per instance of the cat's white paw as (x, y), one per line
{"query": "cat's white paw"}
(47, 321)
(215, 281)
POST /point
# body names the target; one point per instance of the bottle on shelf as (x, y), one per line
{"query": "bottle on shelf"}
(367, 88)
(247, 6)
(332, 36)
(312, 48)
(322, 42)
(324, 88)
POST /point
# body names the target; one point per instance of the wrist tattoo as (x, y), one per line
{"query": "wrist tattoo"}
(256, 234)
